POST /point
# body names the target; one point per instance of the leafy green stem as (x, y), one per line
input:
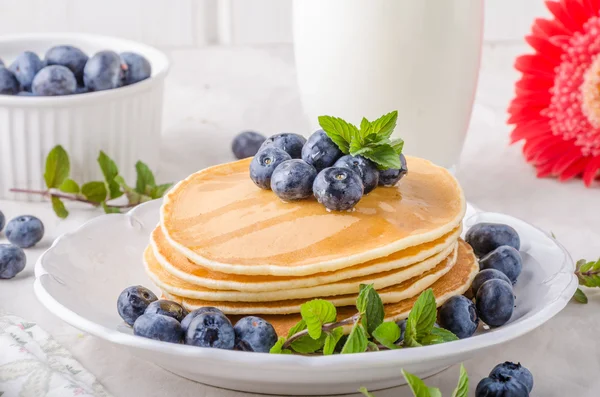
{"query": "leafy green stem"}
(71, 197)
(325, 328)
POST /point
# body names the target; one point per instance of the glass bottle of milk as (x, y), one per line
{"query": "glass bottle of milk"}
(360, 58)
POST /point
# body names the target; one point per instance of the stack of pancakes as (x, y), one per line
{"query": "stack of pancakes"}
(224, 242)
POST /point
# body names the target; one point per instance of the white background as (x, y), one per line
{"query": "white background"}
(177, 24)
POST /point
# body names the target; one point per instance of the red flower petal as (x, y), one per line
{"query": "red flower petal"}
(574, 169)
(591, 171)
(530, 130)
(560, 12)
(591, 6)
(524, 117)
(535, 64)
(544, 47)
(576, 12)
(549, 28)
(550, 153)
(535, 83)
(543, 170)
(532, 147)
(569, 157)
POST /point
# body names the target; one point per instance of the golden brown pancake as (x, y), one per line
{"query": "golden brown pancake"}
(181, 267)
(219, 219)
(455, 282)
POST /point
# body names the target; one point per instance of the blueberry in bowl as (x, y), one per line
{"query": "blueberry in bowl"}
(264, 163)
(133, 302)
(70, 57)
(211, 329)
(485, 275)
(288, 142)
(459, 315)
(54, 80)
(2, 221)
(25, 67)
(103, 71)
(486, 237)
(364, 167)
(338, 189)
(12, 261)
(246, 144)
(9, 85)
(135, 67)
(158, 327)
(185, 323)
(293, 180)
(167, 308)
(320, 151)
(505, 259)
(24, 231)
(254, 334)
(495, 302)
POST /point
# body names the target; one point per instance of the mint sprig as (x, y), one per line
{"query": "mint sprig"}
(371, 140)
(61, 187)
(420, 389)
(318, 332)
(588, 274)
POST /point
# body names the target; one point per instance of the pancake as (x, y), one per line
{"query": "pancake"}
(391, 295)
(179, 266)
(455, 282)
(173, 285)
(219, 219)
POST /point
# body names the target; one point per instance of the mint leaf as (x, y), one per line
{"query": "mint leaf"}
(357, 340)
(59, 207)
(580, 296)
(110, 171)
(332, 339)
(369, 304)
(69, 186)
(397, 145)
(94, 191)
(277, 347)
(421, 319)
(384, 126)
(418, 387)
(339, 131)
(306, 344)
(438, 335)
(372, 347)
(387, 334)
(57, 168)
(365, 392)
(145, 178)
(300, 326)
(160, 190)
(462, 390)
(110, 210)
(384, 156)
(316, 313)
(365, 126)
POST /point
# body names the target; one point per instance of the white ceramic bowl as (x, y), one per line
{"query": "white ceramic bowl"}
(80, 277)
(124, 122)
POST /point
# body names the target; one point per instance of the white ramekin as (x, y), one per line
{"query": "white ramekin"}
(124, 122)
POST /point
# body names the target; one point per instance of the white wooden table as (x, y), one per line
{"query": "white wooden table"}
(214, 93)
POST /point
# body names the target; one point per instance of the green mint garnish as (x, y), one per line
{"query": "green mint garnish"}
(419, 388)
(438, 335)
(306, 344)
(316, 313)
(365, 392)
(421, 319)
(372, 140)
(97, 193)
(580, 296)
(588, 274)
(370, 306)
(462, 390)
(387, 334)
(300, 326)
(357, 340)
(278, 347)
(332, 340)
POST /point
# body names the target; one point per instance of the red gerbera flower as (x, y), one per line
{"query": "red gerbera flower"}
(556, 109)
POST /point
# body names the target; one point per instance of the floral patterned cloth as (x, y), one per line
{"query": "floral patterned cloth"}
(33, 364)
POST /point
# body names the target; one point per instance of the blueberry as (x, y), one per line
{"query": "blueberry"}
(338, 189)
(290, 143)
(506, 259)
(517, 371)
(458, 315)
(246, 144)
(391, 176)
(495, 302)
(25, 67)
(402, 325)
(263, 165)
(136, 68)
(133, 301)
(485, 275)
(12, 261)
(211, 329)
(1, 62)
(25, 93)
(501, 387)
(185, 323)
(365, 168)
(293, 180)
(103, 71)
(158, 327)
(70, 57)
(486, 237)
(320, 151)
(24, 231)
(253, 334)
(54, 80)
(9, 85)
(167, 308)
(81, 89)
(2, 221)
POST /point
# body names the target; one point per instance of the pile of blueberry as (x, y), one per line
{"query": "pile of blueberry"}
(506, 380)
(295, 168)
(22, 232)
(168, 321)
(497, 246)
(66, 70)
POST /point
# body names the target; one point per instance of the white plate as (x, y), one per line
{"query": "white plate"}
(80, 277)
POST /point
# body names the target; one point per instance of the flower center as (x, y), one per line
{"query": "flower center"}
(590, 93)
